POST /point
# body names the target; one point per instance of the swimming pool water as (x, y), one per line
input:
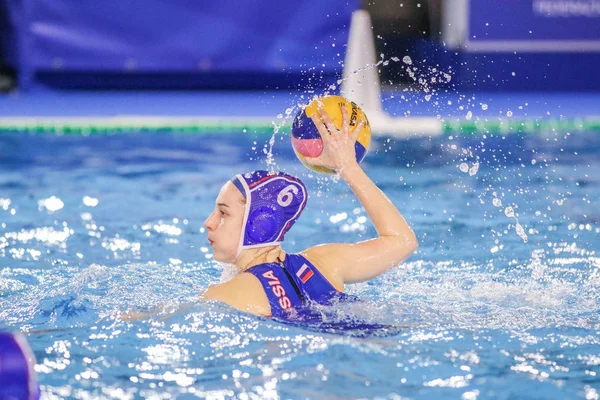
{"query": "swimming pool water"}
(500, 301)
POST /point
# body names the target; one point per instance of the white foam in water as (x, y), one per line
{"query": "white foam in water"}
(512, 300)
(90, 201)
(51, 204)
(4, 204)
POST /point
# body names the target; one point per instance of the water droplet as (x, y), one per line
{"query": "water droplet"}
(407, 60)
(509, 212)
(474, 169)
(521, 232)
(484, 107)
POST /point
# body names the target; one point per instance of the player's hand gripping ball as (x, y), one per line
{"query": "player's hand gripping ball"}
(306, 139)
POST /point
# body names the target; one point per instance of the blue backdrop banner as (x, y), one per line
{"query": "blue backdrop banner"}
(535, 20)
(180, 35)
(8, 37)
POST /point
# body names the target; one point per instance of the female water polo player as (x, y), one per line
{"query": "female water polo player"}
(253, 213)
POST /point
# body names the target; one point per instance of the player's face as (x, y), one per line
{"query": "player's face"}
(224, 225)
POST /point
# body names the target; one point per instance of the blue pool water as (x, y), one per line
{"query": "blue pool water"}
(500, 301)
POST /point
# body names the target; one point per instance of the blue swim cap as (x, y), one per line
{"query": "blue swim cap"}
(274, 202)
(17, 377)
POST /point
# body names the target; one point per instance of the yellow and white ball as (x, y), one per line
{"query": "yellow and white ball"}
(306, 139)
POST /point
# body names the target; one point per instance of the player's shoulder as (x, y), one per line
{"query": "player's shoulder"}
(240, 285)
(326, 257)
(244, 292)
(322, 254)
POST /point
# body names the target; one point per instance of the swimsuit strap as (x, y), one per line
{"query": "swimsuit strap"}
(292, 281)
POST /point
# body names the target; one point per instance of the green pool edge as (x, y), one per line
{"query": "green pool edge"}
(448, 127)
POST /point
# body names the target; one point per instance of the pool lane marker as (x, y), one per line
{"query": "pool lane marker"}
(401, 128)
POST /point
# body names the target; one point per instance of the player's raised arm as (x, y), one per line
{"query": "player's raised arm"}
(396, 240)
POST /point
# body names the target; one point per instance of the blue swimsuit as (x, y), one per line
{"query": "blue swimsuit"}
(295, 285)
(291, 284)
